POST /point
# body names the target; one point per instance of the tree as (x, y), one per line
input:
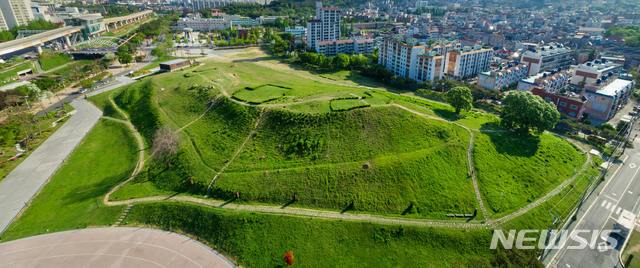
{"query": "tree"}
(341, 61)
(524, 111)
(165, 146)
(460, 98)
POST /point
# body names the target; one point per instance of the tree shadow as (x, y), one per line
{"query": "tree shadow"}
(92, 191)
(409, 210)
(349, 207)
(511, 142)
(288, 204)
(227, 202)
(447, 114)
(258, 59)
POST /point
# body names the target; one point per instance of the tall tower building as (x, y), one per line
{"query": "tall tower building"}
(3, 24)
(16, 12)
(325, 26)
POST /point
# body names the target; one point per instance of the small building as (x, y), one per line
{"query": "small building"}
(606, 100)
(172, 65)
(569, 104)
(551, 81)
(502, 78)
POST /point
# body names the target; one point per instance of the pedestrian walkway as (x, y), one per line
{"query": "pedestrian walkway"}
(24, 182)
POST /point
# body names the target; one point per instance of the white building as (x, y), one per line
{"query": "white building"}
(203, 24)
(593, 71)
(323, 34)
(16, 12)
(503, 78)
(404, 57)
(549, 81)
(546, 57)
(325, 26)
(297, 31)
(209, 4)
(468, 62)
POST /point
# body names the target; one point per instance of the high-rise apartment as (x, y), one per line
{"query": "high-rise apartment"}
(325, 26)
(3, 23)
(16, 12)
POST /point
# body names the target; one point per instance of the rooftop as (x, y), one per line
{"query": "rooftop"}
(614, 88)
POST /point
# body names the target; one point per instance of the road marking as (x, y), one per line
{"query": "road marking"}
(563, 250)
(623, 191)
(632, 165)
(608, 206)
(629, 192)
(604, 203)
(614, 194)
(618, 210)
(613, 199)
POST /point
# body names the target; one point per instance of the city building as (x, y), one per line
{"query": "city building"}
(297, 31)
(541, 58)
(568, 103)
(203, 24)
(92, 24)
(468, 61)
(605, 100)
(16, 12)
(503, 78)
(325, 26)
(552, 81)
(323, 34)
(345, 46)
(3, 23)
(593, 71)
(172, 65)
(209, 4)
(407, 58)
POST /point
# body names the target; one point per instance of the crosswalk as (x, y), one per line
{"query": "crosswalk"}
(608, 205)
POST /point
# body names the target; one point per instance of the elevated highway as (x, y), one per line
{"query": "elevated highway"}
(38, 40)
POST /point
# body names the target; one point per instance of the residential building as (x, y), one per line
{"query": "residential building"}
(203, 24)
(345, 46)
(503, 78)
(593, 71)
(552, 81)
(297, 31)
(568, 103)
(16, 12)
(430, 67)
(541, 58)
(468, 62)
(605, 100)
(3, 23)
(209, 4)
(323, 34)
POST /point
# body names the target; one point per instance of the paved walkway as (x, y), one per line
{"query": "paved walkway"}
(110, 247)
(17, 189)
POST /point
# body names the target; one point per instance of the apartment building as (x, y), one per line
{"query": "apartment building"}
(594, 71)
(3, 23)
(503, 78)
(16, 12)
(604, 100)
(568, 104)
(323, 34)
(541, 58)
(345, 46)
(552, 81)
(421, 62)
(468, 62)
(203, 24)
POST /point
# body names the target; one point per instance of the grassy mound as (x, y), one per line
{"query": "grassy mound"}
(347, 104)
(318, 243)
(514, 170)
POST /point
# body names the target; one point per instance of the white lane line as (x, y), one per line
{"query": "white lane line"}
(629, 192)
(608, 206)
(612, 199)
(604, 203)
(633, 178)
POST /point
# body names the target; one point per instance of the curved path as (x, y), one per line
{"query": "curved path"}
(110, 247)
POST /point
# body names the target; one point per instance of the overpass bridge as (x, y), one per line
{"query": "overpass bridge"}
(117, 22)
(66, 34)
(38, 40)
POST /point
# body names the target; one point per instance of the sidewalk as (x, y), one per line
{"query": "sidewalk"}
(26, 180)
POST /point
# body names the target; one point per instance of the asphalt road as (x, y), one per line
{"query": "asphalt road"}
(17, 189)
(110, 247)
(619, 195)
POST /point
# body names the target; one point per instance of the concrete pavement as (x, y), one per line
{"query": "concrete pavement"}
(619, 195)
(110, 247)
(17, 189)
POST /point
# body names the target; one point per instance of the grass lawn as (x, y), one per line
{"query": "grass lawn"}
(258, 240)
(9, 75)
(515, 170)
(73, 197)
(631, 254)
(347, 104)
(50, 60)
(260, 94)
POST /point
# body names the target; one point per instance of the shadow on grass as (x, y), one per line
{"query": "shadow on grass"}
(257, 59)
(349, 207)
(409, 210)
(228, 202)
(95, 190)
(509, 142)
(447, 114)
(288, 204)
